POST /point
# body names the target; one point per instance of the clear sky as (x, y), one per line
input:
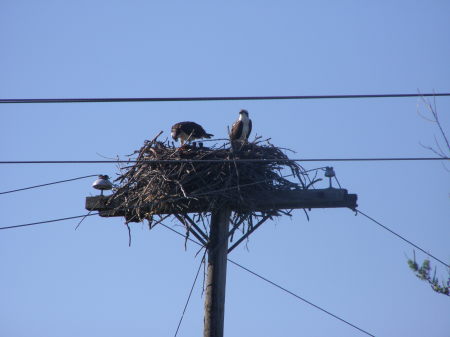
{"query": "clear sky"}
(56, 281)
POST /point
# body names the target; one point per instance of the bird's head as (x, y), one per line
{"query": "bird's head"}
(243, 112)
(175, 133)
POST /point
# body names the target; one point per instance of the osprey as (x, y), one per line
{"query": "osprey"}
(187, 131)
(241, 128)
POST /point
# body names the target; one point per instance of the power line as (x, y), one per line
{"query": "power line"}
(190, 293)
(401, 237)
(162, 161)
(48, 221)
(216, 98)
(299, 297)
(47, 184)
(276, 285)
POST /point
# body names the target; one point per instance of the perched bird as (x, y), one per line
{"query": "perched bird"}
(241, 128)
(187, 131)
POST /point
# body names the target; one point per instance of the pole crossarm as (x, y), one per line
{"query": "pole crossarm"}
(270, 200)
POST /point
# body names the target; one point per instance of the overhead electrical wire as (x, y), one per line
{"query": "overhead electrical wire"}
(401, 237)
(278, 286)
(216, 98)
(190, 293)
(299, 297)
(47, 184)
(162, 161)
(48, 221)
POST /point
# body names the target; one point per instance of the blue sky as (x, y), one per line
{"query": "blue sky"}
(60, 282)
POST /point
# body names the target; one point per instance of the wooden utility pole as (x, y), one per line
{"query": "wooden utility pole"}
(217, 242)
(216, 273)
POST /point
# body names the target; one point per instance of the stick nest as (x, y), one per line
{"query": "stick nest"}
(164, 179)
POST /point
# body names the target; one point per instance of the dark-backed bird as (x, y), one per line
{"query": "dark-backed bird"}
(188, 131)
(241, 128)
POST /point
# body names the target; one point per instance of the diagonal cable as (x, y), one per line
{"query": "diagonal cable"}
(401, 237)
(299, 297)
(48, 221)
(280, 287)
(47, 184)
(190, 293)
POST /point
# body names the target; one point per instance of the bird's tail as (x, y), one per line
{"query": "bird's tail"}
(209, 135)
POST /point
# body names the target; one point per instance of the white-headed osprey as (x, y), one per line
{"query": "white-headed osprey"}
(188, 131)
(241, 128)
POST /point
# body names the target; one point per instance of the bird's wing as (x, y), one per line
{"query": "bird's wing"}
(199, 131)
(236, 130)
(249, 128)
(194, 129)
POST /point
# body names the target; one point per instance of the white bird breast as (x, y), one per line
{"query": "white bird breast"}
(244, 129)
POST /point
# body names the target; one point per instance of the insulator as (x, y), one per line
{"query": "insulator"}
(102, 183)
(329, 172)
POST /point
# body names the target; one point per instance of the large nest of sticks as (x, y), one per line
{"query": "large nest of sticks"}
(164, 179)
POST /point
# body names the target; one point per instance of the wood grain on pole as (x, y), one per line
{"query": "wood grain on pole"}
(216, 274)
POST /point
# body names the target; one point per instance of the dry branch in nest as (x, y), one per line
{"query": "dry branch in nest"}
(164, 179)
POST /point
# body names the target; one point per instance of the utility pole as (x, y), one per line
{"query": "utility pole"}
(217, 241)
(216, 273)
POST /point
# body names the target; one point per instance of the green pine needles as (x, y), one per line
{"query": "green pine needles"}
(423, 272)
